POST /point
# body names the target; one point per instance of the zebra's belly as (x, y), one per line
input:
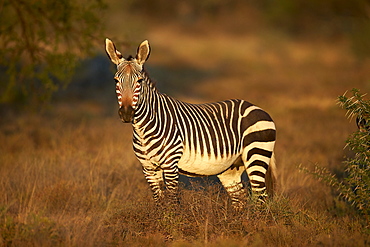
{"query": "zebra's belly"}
(206, 165)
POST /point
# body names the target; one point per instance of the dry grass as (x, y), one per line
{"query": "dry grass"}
(68, 177)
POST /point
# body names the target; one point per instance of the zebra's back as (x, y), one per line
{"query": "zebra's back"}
(214, 135)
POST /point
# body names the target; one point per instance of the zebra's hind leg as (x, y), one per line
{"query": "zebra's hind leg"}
(232, 182)
(256, 160)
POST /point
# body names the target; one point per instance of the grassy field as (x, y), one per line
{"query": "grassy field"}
(68, 176)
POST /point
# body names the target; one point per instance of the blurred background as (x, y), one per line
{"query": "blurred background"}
(200, 49)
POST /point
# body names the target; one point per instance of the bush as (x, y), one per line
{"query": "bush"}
(355, 187)
(40, 44)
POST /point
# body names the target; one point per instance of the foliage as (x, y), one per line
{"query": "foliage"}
(355, 186)
(358, 167)
(40, 44)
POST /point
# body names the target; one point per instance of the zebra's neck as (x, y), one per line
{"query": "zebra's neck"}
(147, 104)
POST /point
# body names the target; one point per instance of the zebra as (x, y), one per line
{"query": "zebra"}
(171, 137)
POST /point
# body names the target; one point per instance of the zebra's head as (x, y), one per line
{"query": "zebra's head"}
(128, 78)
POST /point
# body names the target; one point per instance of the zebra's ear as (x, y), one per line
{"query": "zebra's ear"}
(143, 52)
(114, 55)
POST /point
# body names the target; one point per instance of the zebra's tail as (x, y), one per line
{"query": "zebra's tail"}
(271, 182)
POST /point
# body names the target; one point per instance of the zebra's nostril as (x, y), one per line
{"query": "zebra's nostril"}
(126, 113)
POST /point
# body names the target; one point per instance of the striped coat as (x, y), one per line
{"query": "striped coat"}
(172, 137)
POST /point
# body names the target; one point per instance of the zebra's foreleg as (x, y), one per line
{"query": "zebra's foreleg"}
(154, 178)
(171, 180)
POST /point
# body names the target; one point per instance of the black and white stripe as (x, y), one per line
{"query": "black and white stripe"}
(172, 137)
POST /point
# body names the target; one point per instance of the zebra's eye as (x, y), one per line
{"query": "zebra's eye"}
(116, 80)
(140, 80)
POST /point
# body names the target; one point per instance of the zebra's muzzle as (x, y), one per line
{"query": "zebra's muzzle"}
(126, 113)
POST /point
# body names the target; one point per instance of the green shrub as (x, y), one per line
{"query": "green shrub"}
(41, 43)
(355, 187)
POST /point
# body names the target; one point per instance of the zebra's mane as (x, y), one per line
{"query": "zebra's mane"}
(152, 82)
(129, 58)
